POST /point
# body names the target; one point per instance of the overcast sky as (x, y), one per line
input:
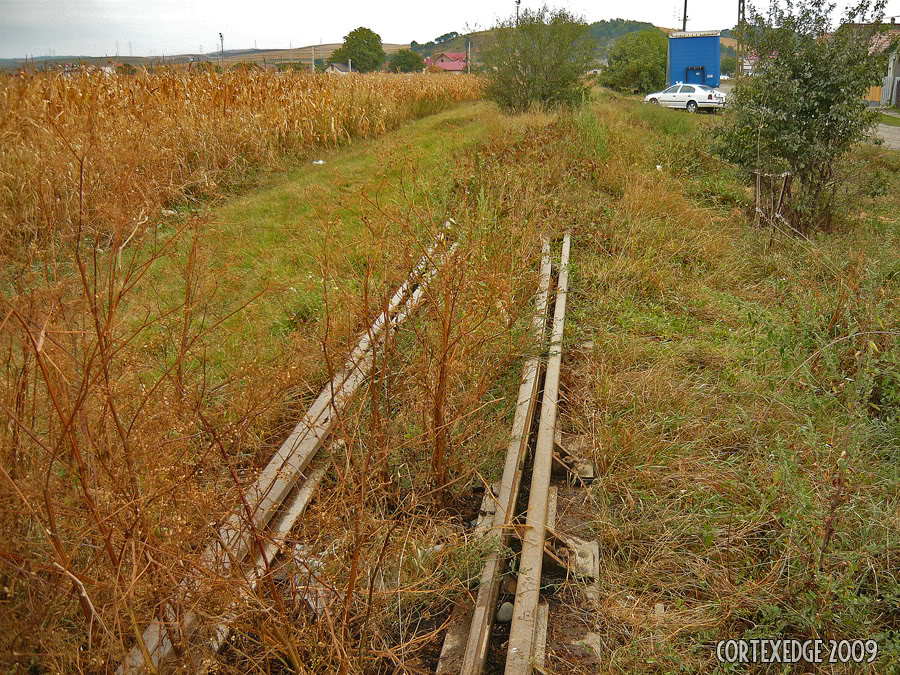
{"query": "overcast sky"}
(155, 27)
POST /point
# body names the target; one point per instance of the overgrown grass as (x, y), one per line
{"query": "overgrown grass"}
(736, 402)
(890, 120)
(736, 388)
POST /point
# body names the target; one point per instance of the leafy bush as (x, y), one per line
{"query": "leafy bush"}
(637, 62)
(407, 61)
(729, 65)
(804, 109)
(539, 60)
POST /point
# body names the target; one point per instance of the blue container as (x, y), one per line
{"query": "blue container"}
(695, 58)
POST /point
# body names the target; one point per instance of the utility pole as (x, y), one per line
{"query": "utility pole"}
(742, 18)
(684, 18)
(222, 50)
(518, 2)
(312, 64)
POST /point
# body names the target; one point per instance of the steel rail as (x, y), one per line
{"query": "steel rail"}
(280, 476)
(521, 655)
(476, 651)
(292, 509)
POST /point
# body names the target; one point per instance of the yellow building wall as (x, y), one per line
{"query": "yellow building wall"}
(874, 94)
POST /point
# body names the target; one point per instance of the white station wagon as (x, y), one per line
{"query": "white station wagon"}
(692, 97)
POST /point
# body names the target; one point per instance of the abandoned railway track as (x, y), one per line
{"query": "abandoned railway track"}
(468, 643)
(251, 538)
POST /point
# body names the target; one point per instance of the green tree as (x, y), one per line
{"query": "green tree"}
(426, 49)
(540, 60)
(363, 47)
(729, 65)
(803, 110)
(637, 62)
(406, 61)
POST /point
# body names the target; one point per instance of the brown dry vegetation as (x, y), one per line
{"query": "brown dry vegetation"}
(128, 365)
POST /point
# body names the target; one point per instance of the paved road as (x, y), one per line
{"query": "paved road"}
(890, 135)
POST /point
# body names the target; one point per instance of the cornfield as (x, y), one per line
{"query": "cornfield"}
(94, 150)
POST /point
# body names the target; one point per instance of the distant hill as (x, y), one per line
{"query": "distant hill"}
(298, 54)
(454, 44)
(607, 32)
(302, 55)
(604, 32)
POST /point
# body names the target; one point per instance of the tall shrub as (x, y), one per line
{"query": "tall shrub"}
(540, 59)
(803, 110)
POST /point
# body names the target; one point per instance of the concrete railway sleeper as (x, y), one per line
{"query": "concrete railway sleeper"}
(467, 642)
(285, 486)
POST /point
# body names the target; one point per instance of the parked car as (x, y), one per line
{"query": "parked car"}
(692, 97)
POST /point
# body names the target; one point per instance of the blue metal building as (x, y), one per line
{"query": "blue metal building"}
(695, 58)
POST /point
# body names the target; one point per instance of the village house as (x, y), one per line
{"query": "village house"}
(888, 94)
(451, 62)
(339, 68)
(885, 42)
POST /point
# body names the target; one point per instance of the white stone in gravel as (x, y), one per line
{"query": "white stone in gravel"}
(505, 613)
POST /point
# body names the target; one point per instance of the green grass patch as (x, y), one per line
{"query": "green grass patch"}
(274, 242)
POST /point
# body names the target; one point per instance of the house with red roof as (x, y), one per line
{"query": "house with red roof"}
(452, 62)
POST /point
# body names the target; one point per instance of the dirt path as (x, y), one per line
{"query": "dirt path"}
(890, 135)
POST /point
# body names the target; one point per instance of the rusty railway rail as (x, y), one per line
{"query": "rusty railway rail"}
(467, 642)
(286, 485)
(528, 618)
